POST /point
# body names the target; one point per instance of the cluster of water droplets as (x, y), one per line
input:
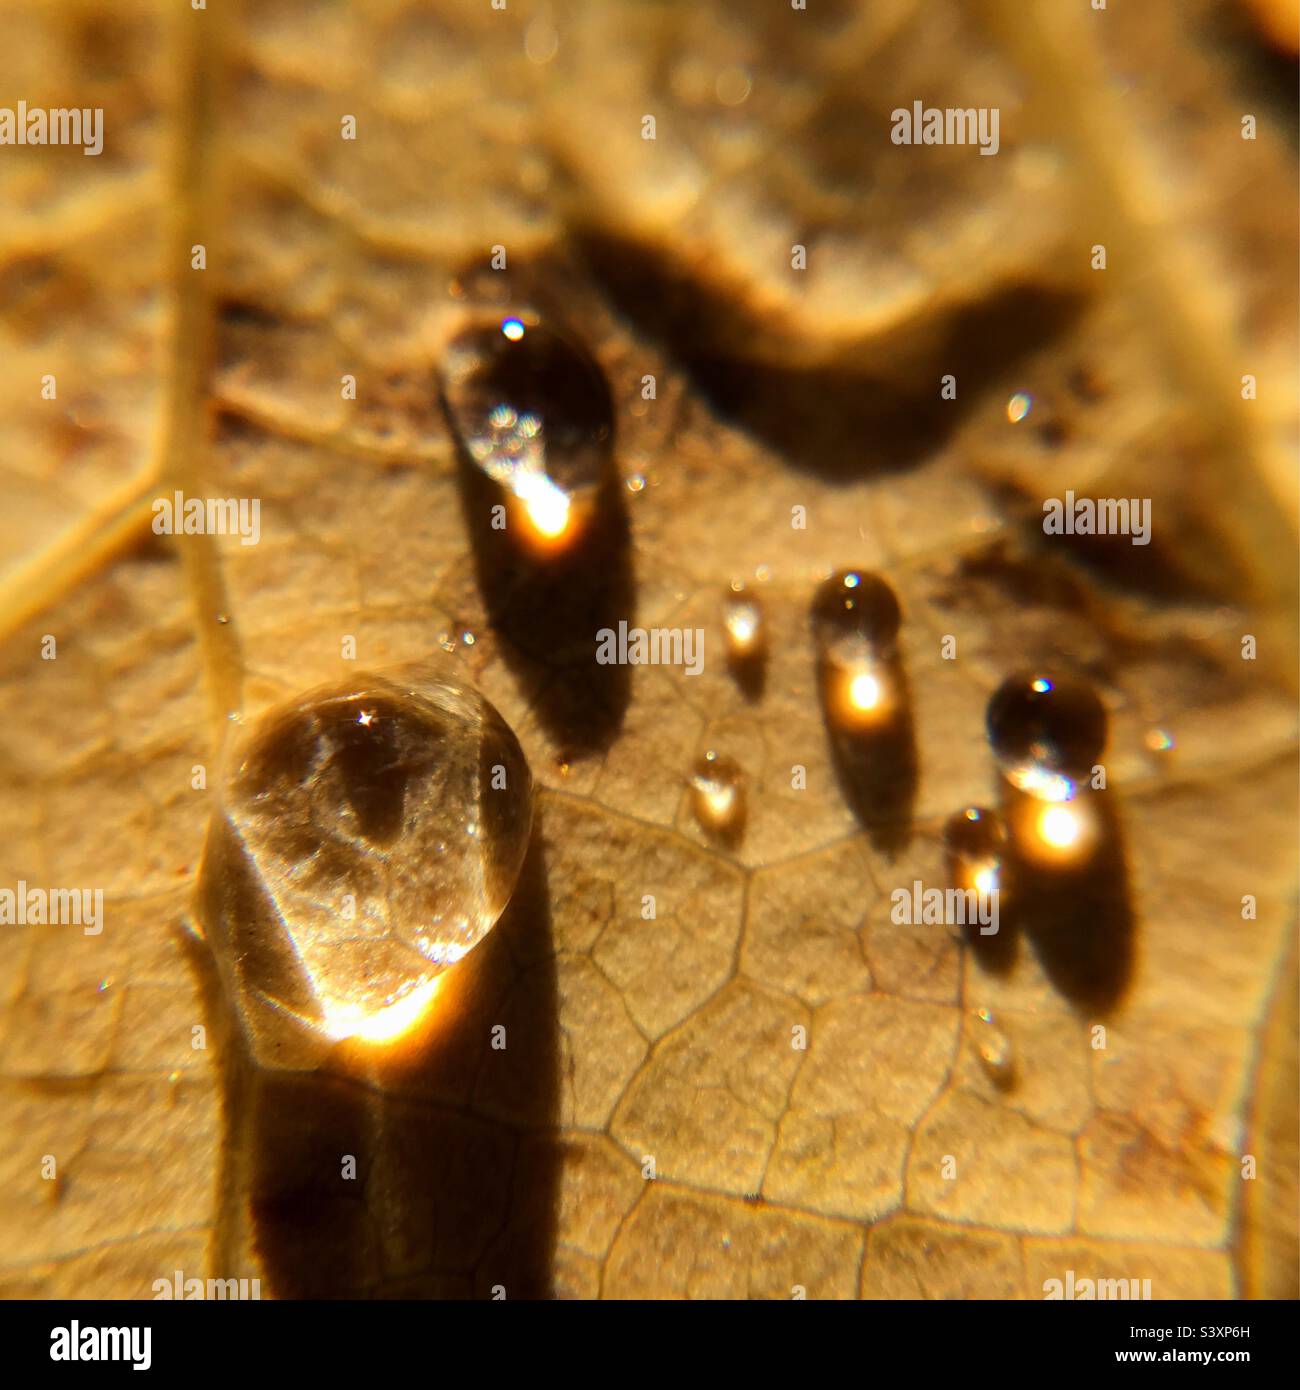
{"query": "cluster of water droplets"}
(371, 834)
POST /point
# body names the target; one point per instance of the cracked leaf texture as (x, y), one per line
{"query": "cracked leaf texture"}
(775, 1168)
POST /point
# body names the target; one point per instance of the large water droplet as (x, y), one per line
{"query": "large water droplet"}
(532, 411)
(368, 836)
(1046, 733)
(718, 795)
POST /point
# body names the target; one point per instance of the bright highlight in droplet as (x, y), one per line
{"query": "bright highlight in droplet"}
(1018, 406)
(513, 329)
(1059, 827)
(986, 879)
(384, 1025)
(546, 505)
(864, 691)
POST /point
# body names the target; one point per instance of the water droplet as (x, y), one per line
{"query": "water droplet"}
(1046, 733)
(1159, 740)
(369, 835)
(532, 411)
(743, 618)
(745, 630)
(733, 86)
(1019, 406)
(975, 840)
(855, 628)
(718, 795)
(866, 702)
(994, 1048)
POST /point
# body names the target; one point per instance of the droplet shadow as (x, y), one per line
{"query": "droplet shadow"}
(438, 1205)
(548, 609)
(808, 412)
(1077, 919)
(749, 671)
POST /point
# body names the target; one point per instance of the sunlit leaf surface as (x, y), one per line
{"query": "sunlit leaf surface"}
(775, 1168)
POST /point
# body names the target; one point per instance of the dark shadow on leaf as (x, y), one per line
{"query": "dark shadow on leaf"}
(876, 767)
(439, 1205)
(1079, 920)
(548, 609)
(843, 420)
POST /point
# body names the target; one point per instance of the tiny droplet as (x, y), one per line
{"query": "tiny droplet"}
(994, 1048)
(718, 795)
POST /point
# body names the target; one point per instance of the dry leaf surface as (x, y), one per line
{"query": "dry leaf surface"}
(775, 1167)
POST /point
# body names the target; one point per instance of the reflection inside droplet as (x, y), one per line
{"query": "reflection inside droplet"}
(718, 795)
(1046, 734)
(994, 1048)
(975, 840)
(855, 627)
(743, 617)
(532, 412)
(367, 838)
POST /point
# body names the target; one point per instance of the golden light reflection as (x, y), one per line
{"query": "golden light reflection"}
(719, 802)
(546, 507)
(985, 879)
(742, 628)
(1061, 833)
(861, 696)
(1041, 783)
(718, 794)
(381, 1025)
(864, 691)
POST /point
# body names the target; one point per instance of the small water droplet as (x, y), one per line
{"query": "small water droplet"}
(733, 86)
(743, 618)
(636, 483)
(718, 795)
(994, 1048)
(532, 411)
(855, 628)
(975, 840)
(368, 836)
(1019, 406)
(1046, 733)
(745, 628)
(1159, 740)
